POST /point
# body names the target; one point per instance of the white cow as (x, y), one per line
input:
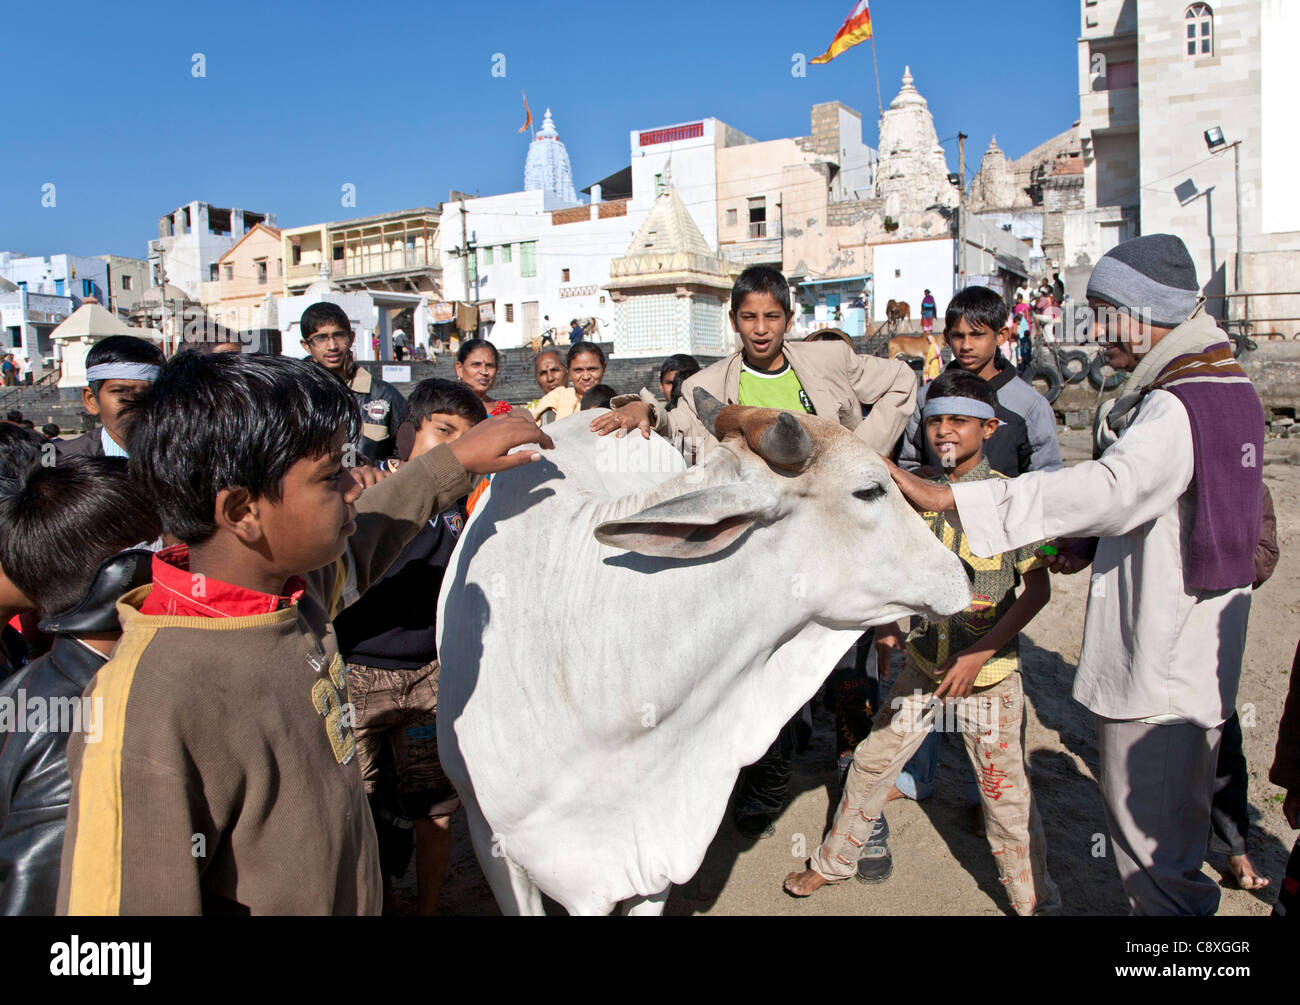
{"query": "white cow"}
(619, 636)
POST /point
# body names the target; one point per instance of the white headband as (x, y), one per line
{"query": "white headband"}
(954, 405)
(122, 371)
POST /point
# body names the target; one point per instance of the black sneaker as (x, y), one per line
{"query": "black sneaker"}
(876, 864)
(756, 824)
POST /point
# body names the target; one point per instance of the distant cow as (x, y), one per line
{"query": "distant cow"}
(620, 635)
(898, 313)
(914, 345)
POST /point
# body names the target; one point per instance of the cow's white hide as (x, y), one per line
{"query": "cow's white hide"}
(596, 704)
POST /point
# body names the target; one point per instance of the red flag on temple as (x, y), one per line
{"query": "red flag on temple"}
(856, 28)
(528, 121)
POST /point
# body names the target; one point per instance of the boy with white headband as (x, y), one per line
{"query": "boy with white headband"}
(118, 370)
(962, 673)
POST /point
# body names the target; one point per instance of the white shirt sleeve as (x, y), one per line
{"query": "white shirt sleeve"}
(1140, 477)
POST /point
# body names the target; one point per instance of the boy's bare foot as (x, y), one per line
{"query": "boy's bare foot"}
(804, 884)
(894, 794)
(1243, 871)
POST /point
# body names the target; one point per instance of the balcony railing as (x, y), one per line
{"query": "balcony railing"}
(383, 261)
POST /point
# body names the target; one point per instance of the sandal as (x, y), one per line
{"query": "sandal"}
(876, 864)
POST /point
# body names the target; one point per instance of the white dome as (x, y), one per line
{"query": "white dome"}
(547, 167)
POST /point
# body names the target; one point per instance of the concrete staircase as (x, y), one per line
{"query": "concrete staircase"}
(42, 404)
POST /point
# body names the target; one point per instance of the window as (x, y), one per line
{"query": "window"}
(510, 314)
(58, 287)
(528, 259)
(565, 273)
(659, 183)
(229, 271)
(1120, 75)
(731, 218)
(279, 266)
(261, 271)
(126, 282)
(473, 266)
(487, 255)
(87, 288)
(1200, 30)
(757, 217)
(297, 254)
(505, 253)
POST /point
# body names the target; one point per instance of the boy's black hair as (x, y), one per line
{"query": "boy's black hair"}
(955, 383)
(980, 306)
(598, 397)
(121, 349)
(317, 314)
(89, 501)
(20, 450)
(51, 430)
(14, 415)
(471, 344)
(677, 361)
(675, 391)
(585, 346)
(435, 396)
(228, 420)
(761, 279)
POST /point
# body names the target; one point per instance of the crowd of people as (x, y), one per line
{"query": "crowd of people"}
(247, 623)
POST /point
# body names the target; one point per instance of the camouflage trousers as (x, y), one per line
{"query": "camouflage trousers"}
(991, 722)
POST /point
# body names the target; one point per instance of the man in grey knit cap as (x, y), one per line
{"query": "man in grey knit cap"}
(1168, 517)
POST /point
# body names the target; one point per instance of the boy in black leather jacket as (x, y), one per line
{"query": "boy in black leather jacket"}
(88, 502)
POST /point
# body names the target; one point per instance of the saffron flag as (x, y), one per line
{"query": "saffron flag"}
(528, 120)
(856, 28)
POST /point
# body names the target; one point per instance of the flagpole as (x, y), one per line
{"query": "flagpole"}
(879, 104)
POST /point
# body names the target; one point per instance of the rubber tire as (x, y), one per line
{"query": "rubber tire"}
(1037, 371)
(1073, 364)
(1097, 377)
(1240, 343)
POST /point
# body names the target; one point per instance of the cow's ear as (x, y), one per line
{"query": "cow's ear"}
(694, 525)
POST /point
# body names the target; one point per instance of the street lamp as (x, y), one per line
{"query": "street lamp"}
(1216, 143)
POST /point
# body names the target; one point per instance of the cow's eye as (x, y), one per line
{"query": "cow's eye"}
(871, 494)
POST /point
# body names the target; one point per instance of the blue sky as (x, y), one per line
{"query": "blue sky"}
(399, 99)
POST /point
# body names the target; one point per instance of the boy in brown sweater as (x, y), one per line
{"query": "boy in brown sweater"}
(225, 780)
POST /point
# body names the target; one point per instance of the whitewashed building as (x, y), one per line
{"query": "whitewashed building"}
(192, 239)
(1154, 76)
(533, 260)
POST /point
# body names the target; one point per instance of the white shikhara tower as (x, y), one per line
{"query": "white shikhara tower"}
(912, 173)
(547, 167)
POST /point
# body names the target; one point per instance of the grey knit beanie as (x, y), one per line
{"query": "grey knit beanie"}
(1153, 275)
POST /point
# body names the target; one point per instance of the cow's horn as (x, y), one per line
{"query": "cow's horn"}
(707, 407)
(785, 443)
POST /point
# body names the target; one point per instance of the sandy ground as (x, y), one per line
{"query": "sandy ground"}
(940, 866)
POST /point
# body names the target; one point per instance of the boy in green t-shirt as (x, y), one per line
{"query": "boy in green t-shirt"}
(962, 673)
